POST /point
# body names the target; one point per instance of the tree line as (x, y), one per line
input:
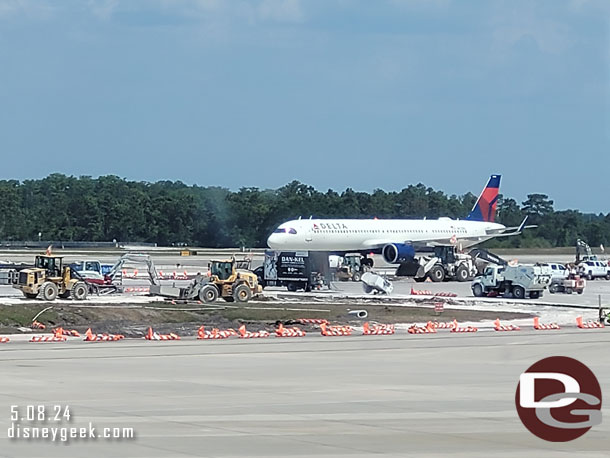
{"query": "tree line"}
(67, 208)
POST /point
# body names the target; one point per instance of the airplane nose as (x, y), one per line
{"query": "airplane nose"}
(274, 241)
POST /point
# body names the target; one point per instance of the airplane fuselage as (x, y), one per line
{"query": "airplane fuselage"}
(371, 234)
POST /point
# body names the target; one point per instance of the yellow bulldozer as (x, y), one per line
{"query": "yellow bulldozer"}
(230, 282)
(226, 278)
(49, 278)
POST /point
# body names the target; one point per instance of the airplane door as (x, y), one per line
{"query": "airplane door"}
(309, 235)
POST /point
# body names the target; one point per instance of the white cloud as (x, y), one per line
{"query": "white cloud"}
(30, 8)
(103, 8)
(420, 4)
(515, 23)
(281, 10)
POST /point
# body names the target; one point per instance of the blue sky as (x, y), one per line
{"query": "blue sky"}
(334, 93)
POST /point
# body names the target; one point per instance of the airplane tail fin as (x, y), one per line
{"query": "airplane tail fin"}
(485, 207)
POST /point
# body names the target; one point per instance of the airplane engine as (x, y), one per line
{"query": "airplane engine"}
(395, 253)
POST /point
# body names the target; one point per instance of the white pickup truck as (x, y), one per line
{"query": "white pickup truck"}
(519, 281)
(594, 268)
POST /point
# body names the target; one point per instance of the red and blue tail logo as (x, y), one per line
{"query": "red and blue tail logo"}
(485, 208)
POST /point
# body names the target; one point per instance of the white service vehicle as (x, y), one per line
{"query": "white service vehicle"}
(592, 269)
(557, 271)
(519, 281)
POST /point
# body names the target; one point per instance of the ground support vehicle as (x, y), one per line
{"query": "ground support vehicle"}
(446, 263)
(224, 280)
(49, 278)
(351, 268)
(572, 284)
(520, 281)
(588, 264)
(295, 270)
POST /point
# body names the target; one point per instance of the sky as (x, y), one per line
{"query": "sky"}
(333, 93)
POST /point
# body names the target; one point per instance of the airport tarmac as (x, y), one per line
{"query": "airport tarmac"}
(394, 396)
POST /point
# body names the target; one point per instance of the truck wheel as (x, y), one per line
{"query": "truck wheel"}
(292, 287)
(367, 288)
(553, 288)
(242, 293)
(437, 274)
(518, 292)
(535, 294)
(477, 290)
(30, 295)
(79, 291)
(356, 276)
(462, 274)
(420, 279)
(590, 276)
(49, 291)
(569, 291)
(208, 294)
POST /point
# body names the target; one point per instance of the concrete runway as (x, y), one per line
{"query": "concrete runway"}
(394, 396)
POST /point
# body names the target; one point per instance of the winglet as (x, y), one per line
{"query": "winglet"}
(522, 225)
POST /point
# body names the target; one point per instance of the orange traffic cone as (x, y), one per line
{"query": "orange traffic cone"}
(149, 334)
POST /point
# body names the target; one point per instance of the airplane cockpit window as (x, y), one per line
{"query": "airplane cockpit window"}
(292, 231)
(280, 230)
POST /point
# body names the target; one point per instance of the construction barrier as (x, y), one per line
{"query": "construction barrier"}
(456, 328)
(37, 325)
(510, 327)
(150, 335)
(281, 331)
(49, 338)
(444, 325)
(215, 333)
(327, 330)
(66, 332)
(136, 290)
(544, 327)
(588, 324)
(244, 334)
(4, 340)
(426, 292)
(414, 329)
(312, 321)
(377, 329)
(90, 337)
(415, 292)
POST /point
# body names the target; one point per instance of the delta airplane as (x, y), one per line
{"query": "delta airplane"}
(397, 240)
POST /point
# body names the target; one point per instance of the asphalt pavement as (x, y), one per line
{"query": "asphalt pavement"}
(359, 396)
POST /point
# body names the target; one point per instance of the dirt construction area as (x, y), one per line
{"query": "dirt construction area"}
(132, 313)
